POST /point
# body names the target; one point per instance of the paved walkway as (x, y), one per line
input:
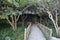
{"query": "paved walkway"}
(36, 33)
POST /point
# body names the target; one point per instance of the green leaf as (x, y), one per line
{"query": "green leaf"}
(15, 3)
(10, 1)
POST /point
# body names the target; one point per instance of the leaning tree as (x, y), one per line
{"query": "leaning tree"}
(51, 8)
(10, 13)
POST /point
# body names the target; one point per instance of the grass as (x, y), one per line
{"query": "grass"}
(6, 31)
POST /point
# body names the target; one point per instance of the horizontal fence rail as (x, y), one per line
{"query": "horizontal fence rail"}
(27, 31)
(47, 32)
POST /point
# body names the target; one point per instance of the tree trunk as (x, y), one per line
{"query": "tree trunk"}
(51, 17)
(23, 20)
(13, 22)
(56, 19)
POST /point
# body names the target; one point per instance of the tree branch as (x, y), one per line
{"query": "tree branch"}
(12, 20)
(25, 17)
(51, 17)
(26, 8)
(56, 18)
(9, 21)
(15, 25)
(17, 18)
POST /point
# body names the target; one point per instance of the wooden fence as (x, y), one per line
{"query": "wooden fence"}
(45, 30)
(27, 31)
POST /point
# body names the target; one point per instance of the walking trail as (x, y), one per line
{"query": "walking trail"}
(36, 34)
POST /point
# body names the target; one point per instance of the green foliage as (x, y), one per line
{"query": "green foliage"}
(6, 31)
(13, 2)
(11, 12)
(10, 7)
(7, 9)
(21, 3)
(2, 17)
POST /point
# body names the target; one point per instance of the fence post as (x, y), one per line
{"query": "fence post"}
(25, 35)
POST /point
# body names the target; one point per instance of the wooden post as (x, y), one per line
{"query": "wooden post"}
(25, 35)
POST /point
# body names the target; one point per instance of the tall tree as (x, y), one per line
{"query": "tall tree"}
(51, 7)
(12, 17)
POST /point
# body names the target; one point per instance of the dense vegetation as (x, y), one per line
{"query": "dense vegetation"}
(6, 32)
(12, 18)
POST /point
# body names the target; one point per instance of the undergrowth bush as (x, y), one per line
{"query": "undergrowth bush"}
(6, 32)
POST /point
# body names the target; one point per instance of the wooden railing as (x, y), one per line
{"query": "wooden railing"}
(46, 31)
(27, 31)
